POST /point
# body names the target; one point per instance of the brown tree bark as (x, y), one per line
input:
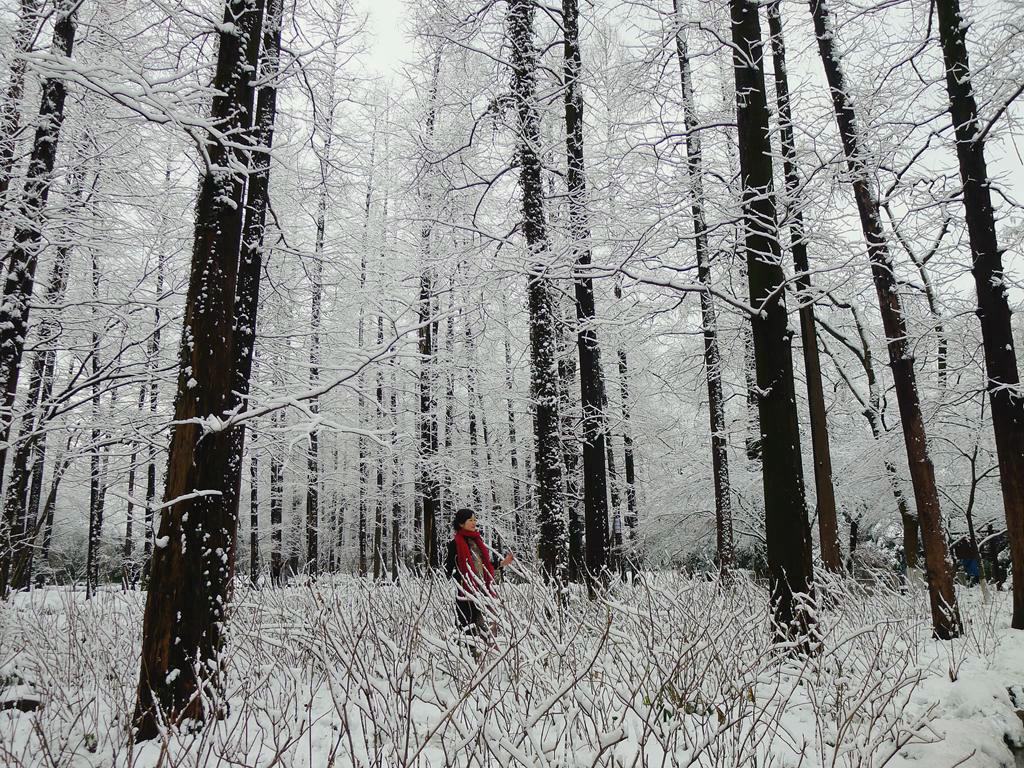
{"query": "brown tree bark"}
(938, 568)
(1003, 382)
(181, 674)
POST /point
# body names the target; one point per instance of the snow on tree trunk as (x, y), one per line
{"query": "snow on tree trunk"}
(181, 676)
(23, 255)
(787, 531)
(542, 306)
(592, 387)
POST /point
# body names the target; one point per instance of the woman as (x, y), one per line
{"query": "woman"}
(470, 564)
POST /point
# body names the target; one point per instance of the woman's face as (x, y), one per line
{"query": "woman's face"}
(470, 525)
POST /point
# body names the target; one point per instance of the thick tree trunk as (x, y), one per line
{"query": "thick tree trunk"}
(945, 612)
(990, 281)
(709, 321)
(787, 531)
(23, 255)
(828, 522)
(592, 387)
(181, 674)
(542, 306)
(250, 263)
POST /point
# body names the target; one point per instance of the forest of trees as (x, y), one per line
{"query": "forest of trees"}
(661, 284)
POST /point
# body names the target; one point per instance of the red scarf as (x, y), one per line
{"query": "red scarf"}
(464, 559)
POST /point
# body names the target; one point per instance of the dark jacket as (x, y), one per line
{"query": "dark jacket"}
(451, 568)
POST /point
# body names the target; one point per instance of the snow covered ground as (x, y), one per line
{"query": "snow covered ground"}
(672, 672)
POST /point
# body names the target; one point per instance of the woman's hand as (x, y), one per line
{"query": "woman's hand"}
(508, 560)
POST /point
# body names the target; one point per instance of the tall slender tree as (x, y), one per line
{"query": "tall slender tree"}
(828, 523)
(709, 319)
(787, 531)
(1003, 382)
(938, 568)
(542, 307)
(23, 255)
(592, 394)
(10, 109)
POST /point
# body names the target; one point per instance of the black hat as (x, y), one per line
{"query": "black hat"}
(461, 516)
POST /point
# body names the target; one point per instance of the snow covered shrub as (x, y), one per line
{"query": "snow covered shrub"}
(663, 671)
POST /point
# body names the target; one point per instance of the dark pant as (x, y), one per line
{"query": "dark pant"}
(470, 618)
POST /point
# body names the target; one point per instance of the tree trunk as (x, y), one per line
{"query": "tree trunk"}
(787, 531)
(629, 465)
(428, 491)
(28, 461)
(313, 461)
(592, 388)
(541, 303)
(364, 458)
(154, 398)
(828, 523)
(575, 567)
(396, 480)
(513, 456)
(254, 514)
(96, 491)
(945, 612)
(129, 541)
(10, 110)
(990, 282)
(379, 565)
(181, 674)
(276, 503)
(709, 321)
(23, 255)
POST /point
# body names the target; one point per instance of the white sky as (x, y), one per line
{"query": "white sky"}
(388, 42)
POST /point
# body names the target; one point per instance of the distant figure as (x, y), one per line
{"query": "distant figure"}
(992, 545)
(473, 567)
(965, 551)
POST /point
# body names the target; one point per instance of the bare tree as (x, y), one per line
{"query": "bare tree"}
(786, 527)
(945, 613)
(1003, 382)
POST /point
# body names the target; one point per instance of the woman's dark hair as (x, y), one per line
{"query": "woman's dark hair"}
(461, 516)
